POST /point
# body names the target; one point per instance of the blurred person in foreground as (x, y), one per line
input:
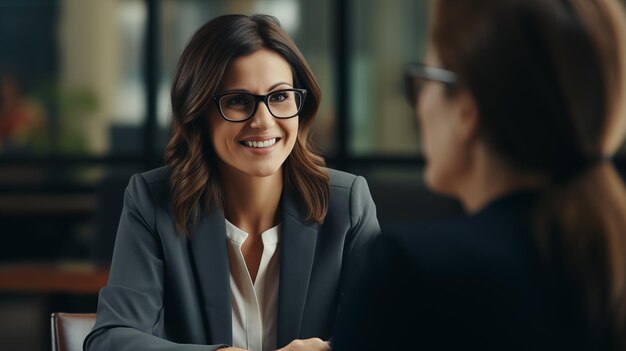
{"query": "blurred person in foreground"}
(245, 240)
(521, 107)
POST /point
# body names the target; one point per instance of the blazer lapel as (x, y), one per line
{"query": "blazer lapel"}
(297, 251)
(210, 255)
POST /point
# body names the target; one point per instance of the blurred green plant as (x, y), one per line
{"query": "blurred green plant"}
(70, 106)
(75, 105)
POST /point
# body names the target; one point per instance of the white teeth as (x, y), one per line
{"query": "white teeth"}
(260, 144)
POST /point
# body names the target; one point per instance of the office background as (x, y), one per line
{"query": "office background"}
(84, 103)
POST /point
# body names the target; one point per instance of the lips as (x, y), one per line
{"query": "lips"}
(259, 143)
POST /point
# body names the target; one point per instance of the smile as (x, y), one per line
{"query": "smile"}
(259, 144)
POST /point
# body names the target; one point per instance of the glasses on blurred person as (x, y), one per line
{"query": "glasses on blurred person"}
(415, 75)
(241, 106)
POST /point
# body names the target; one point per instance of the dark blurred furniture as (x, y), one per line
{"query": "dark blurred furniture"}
(49, 287)
(69, 330)
(110, 195)
(44, 223)
(68, 278)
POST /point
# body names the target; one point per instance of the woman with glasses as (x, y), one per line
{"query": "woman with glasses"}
(244, 240)
(521, 107)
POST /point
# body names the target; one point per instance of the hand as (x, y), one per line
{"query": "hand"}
(313, 344)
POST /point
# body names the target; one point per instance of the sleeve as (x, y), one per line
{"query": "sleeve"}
(364, 228)
(130, 306)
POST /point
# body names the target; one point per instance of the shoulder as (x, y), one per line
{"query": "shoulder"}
(425, 241)
(464, 243)
(152, 185)
(350, 201)
(157, 175)
(347, 185)
(340, 179)
(347, 188)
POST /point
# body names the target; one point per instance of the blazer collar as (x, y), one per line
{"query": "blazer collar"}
(297, 249)
(209, 249)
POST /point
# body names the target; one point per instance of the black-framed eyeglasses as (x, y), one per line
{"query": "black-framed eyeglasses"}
(239, 106)
(416, 73)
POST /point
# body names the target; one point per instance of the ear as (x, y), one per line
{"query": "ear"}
(468, 117)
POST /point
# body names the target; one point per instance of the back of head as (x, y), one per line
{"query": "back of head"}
(548, 79)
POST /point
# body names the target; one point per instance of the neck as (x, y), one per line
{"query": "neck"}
(251, 203)
(490, 178)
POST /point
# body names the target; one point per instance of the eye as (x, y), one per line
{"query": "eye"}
(280, 96)
(235, 100)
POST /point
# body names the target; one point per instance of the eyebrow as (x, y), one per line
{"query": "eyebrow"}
(274, 86)
(278, 84)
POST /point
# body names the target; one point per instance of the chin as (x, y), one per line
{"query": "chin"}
(434, 182)
(430, 183)
(262, 171)
(443, 189)
(263, 174)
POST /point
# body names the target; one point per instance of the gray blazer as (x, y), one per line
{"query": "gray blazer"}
(167, 292)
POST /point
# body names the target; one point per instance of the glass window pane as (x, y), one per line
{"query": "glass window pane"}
(385, 36)
(308, 23)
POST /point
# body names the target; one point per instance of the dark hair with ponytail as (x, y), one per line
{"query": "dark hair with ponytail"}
(548, 79)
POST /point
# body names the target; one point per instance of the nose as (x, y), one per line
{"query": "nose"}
(262, 118)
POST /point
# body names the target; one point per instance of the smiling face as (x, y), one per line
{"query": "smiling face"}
(260, 145)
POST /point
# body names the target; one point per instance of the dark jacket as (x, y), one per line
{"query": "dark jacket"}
(470, 283)
(167, 292)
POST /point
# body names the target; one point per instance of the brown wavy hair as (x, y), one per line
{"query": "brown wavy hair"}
(548, 78)
(195, 180)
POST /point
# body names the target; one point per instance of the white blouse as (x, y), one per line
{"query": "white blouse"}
(254, 305)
